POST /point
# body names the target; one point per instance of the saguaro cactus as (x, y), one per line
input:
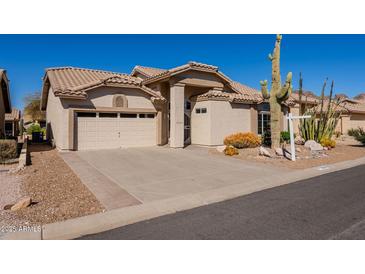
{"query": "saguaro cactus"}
(278, 93)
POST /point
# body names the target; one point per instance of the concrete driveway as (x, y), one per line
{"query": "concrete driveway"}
(155, 173)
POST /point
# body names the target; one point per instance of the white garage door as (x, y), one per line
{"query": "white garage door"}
(114, 130)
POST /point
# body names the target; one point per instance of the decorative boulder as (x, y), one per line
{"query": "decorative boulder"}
(299, 140)
(316, 147)
(309, 143)
(279, 151)
(264, 152)
(23, 203)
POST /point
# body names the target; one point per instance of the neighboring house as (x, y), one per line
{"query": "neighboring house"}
(353, 115)
(12, 123)
(352, 111)
(5, 104)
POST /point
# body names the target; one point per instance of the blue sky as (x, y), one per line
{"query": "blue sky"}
(241, 57)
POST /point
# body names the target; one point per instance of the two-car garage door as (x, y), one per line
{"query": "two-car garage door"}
(97, 130)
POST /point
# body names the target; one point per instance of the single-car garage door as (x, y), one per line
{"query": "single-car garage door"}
(97, 130)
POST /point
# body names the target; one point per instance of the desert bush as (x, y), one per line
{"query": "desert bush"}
(326, 142)
(355, 132)
(285, 136)
(230, 151)
(324, 117)
(8, 150)
(35, 127)
(242, 140)
(358, 134)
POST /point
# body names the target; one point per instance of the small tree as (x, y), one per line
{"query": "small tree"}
(33, 106)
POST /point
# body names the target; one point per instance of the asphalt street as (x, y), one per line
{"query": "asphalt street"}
(330, 206)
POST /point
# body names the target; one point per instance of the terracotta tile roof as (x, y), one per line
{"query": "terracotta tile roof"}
(74, 82)
(294, 98)
(353, 106)
(231, 97)
(344, 106)
(244, 92)
(247, 92)
(147, 71)
(14, 115)
(192, 64)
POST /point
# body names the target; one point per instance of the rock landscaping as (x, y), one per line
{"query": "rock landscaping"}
(45, 192)
(310, 154)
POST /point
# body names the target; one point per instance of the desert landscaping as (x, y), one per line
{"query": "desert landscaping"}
(53, 191)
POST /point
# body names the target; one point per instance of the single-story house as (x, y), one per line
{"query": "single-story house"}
(191, 104)
(352, 111)
(5, 103)
(12, 122)
(352, 115)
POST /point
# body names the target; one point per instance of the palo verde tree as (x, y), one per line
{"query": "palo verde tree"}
(32, 107)
(278, 93)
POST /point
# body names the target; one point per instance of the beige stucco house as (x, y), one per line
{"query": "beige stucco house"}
(191, 104)
(5, 104)
(352, 115)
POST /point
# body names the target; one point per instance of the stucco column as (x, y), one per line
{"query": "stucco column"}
(71, 130)
(254, 119)
(177, 115)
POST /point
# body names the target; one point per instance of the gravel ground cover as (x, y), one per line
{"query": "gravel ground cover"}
(9, 193)
(56, 191)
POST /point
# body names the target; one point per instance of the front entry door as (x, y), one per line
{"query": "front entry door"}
(187, 139)
(187, 123)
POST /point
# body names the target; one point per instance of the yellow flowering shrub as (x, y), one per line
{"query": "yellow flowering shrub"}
(242, 140)
(230, 151)
(327, 142)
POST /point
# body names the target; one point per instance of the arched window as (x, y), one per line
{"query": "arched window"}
(120, 101)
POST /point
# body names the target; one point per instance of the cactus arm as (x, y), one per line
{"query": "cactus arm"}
(287, 95)
(286, 89)
(264, 90)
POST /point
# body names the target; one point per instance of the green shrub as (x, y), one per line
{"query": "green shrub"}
(285, 136)
(35, 127)
(43, 130)
(8, 150)
(230, 151)
(358, 134)
(242, 140)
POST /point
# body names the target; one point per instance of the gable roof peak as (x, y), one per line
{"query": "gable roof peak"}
(202, 65)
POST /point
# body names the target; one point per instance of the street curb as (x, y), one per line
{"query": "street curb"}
(22, 236)
(100, 222)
